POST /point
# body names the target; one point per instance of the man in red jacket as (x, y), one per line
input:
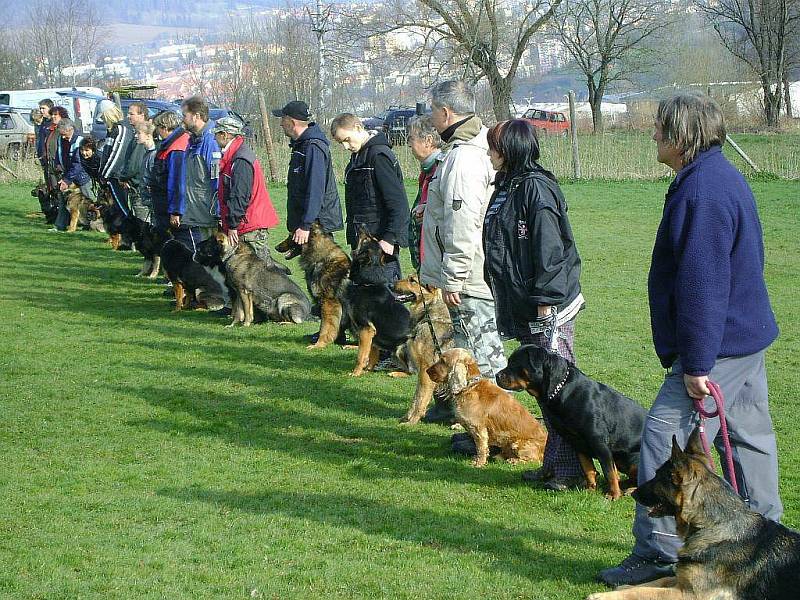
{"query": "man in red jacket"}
(246, 210)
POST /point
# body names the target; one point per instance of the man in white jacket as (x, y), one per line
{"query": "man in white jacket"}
(458, 196)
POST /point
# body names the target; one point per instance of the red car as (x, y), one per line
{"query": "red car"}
(547, 122)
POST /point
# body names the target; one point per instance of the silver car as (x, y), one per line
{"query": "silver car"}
(17, 138)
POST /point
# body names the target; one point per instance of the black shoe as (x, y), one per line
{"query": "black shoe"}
(168, 293)
(562, 484)
(635, 570)
(439, 413)
(222, 312)
(537, 476)
(462, 443)
(313, 338)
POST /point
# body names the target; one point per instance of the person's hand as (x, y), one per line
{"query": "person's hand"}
(387, 247)
(62, 186)
(300, 236)
(696, 386)
(126, 185)
(452, 299)
(419, 212)
(233, 236)
(543, 310)
(175, 221)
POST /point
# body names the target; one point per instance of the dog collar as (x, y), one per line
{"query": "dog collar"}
(467, 385)
(559, 386)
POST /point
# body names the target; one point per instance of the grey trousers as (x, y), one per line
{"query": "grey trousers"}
(475, 330)
(743, 380)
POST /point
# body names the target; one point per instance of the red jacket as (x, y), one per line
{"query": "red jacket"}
(244, 202)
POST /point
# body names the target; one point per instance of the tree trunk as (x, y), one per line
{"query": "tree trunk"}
(787, 97)
(501, 91)
(595, 103)
(772, 105)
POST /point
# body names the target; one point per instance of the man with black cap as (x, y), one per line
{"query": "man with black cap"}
(245, 208)
(312, 194)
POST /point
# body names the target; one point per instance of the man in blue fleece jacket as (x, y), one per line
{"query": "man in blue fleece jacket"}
(711, 320)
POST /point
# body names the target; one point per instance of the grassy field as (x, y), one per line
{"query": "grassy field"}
(148, 454)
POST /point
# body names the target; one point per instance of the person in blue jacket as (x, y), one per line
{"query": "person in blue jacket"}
(711, 319)
(71, 169)
(166, 181)
(195, 215)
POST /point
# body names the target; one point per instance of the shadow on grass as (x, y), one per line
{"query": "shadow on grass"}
(510, 548)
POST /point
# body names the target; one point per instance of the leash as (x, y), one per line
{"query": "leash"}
(716, 394)
(436, 347)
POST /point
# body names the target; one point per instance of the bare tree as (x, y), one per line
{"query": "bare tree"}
(475, 39)
(757, 32)
(64, 37)
(605, 38)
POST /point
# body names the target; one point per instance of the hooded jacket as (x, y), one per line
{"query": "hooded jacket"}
(458, 196)
(311, 184)
(200, 170)
(167, 184)
(530, 253)
(71, 161)
(116, 151)
(374, 194)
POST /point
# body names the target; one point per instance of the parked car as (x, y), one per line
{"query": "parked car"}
(547, 122)
(395, 126)
(375, 122)
(80, 105)
(17, 138)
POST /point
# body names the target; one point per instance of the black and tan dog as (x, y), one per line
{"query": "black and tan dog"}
(429, 318)
(375, 316)
(148, 241)
(190, 279)
(258, 285)
(729, 552)
(594, 418)
(78, 206)
(326, 267)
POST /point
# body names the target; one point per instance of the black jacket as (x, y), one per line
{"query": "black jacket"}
(531, 258)
(375, 195)
(311, 184)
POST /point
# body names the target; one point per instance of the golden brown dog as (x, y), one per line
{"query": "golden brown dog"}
(490, 414)
(429, 318)
(77, 205)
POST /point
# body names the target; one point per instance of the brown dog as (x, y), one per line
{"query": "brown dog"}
(490, 414)
(429, 318)
(77, 205)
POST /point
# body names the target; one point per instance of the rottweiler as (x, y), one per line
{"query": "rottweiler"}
(147, 240)
(594, 418)
(376, 317)
(729, 551)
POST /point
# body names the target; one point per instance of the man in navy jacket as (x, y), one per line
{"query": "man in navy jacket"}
(711, 319)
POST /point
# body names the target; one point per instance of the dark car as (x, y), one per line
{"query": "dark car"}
(395, 126)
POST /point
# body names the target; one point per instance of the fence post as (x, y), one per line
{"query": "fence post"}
(741, 153)
(573, 127)
(273, 167)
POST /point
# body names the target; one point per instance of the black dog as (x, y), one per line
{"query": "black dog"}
(190, 278)
(376, 317)
(594, 418)
(147, 240)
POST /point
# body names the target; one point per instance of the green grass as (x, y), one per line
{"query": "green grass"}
(148, 454)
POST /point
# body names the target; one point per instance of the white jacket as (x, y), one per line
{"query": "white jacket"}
(452, 225)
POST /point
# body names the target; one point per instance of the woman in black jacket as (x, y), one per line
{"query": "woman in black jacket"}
(533, 268)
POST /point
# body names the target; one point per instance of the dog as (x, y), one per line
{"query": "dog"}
(490, 415)
(148, 240)
(258, 285)
(326, 267)
(78, 206)
(429, 318)
(48, 202)
(377, 319)
(190, 279)
(594, 418)
(729, 551)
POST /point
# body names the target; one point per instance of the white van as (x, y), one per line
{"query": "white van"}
(80, 109)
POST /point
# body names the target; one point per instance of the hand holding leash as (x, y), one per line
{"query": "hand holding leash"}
(716, 393)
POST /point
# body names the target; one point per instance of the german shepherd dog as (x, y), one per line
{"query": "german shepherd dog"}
(257, 284)
(78, 207)
(189, 278)
(729, 552)
(148, 240)
(377, 319)
(594, 418)
(326, 267)
(429, 318)
(47, 202)
(119, 235)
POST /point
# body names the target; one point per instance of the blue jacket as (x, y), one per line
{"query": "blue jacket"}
(198, 206)
(71, 162)
(42, 131)
(708, 298)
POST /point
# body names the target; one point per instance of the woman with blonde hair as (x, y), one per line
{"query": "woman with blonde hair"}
(115, 151)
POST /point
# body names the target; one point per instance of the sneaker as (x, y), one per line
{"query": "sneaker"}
(440, 413)
(562, 484)
(387, 364)
(222, 312)
(635, 570)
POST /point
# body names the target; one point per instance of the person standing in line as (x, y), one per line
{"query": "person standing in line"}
(533, 269)
(425, 144)
(132, 177)
(458, 196)
(115, 152)
(143, 205)
(167, 184)
(195, 219)
(711, 319)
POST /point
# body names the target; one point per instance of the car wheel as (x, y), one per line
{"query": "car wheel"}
(14, 152)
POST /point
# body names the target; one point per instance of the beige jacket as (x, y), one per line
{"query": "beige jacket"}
(452, 225)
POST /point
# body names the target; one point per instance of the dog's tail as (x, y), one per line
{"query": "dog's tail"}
(289, 307)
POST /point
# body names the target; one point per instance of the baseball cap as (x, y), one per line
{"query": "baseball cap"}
(230, 125)
(297, 109)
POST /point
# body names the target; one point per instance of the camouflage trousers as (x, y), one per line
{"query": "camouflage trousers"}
(475, 330)
(258, 239)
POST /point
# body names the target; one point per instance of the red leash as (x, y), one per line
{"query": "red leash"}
(716, 394)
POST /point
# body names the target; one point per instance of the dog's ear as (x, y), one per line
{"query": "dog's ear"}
(457, 380)
(363, 236)
(694, 446)
(677, 451)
